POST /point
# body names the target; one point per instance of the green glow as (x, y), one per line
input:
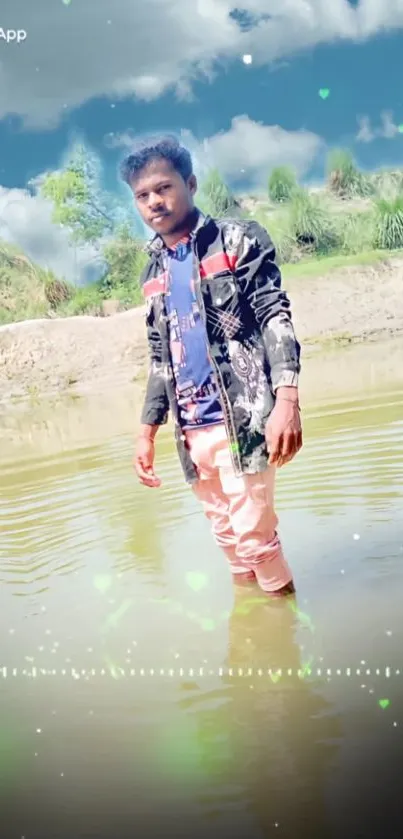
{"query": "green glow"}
(114, 618)
(102, 582)
(196, 580)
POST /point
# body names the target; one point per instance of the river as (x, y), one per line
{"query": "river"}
(135, 696)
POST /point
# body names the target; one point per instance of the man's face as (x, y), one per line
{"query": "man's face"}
(162, 197)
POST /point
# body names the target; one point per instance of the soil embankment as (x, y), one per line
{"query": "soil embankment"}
(85, 354)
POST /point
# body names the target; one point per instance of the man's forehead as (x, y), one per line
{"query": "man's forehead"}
(152, 174)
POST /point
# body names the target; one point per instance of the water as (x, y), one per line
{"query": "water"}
(95, 601)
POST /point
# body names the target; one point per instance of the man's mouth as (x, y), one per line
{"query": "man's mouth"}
(158, 217)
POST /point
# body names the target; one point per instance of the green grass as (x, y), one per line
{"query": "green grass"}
(355, 220)
(318, 266)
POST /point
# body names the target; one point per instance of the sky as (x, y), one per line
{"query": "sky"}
(247, 88)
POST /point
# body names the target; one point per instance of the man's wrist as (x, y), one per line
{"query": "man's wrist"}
(148, 432)
(287, 394)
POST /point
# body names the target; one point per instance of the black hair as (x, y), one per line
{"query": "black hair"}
(163, 148)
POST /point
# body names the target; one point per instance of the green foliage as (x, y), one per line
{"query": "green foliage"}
(215, 197)
(389, 222)
(279, 227)
(125, 259)
(79, 202)
(311, 224)
(356, 231)
(361, 216)
(282, 184)
(344, 179)
(86, 301)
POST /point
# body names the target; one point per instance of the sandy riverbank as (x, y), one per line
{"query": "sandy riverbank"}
(87, 354)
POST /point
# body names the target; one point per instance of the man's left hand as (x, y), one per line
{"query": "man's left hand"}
(284, 430)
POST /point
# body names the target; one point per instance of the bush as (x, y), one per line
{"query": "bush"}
(344, 179)
(86, 301)
(389, 223)
(277, 225)
(125, 260)
(282, 184)
(356, 232)
(57, 291)
(311, 224)
(216, 198)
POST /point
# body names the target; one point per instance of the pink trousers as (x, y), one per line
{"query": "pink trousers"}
(240, 510)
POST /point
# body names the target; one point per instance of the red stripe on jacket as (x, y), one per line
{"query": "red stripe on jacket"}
(157, 285)
(216, 263)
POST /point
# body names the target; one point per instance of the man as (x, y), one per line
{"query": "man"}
(224, 360)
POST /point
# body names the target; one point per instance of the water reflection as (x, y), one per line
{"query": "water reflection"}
(94, 573)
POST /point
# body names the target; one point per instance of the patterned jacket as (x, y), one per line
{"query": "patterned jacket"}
(249, 334)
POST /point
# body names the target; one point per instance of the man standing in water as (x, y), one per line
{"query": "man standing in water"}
(224, 360)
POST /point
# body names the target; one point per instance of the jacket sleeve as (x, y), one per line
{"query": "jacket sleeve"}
(156, 405)
(259, 280)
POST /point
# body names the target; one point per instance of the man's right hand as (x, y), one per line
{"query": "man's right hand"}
(143, 462)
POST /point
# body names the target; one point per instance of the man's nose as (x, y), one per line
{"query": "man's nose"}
(154, 202)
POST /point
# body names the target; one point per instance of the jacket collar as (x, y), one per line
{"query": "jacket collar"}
(156, 244)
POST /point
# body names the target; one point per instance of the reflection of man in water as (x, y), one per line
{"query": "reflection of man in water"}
(224, 361)
(265, 741)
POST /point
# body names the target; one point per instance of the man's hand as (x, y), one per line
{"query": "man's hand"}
(283, 430)
(143, 462)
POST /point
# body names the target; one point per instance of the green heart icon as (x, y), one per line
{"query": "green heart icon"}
(383, 703)
(102, 582)
(207, 624)
(275, 677)
(324, 92)
(196, 580)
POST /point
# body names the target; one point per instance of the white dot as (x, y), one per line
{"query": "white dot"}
(11, 631)
(62, 774)
(388, 632)
(395, 724)
(342, 571)
(247, 59)
(356, 536)
(48, 631)
(43, 608)
(38, 730)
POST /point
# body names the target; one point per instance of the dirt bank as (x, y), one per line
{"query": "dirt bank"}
(84, 354)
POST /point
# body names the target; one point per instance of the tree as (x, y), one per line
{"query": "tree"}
(79, 202)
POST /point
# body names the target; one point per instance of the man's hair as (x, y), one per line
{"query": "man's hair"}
(163, 148)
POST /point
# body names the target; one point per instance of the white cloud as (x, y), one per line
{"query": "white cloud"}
(125, 49)
(248, 150)
(387, 130)
(25, 220)
(252, 149)
(365, 133)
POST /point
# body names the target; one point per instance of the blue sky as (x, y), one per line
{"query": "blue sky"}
(172, 65)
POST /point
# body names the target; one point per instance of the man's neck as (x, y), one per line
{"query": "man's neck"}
(184, 232)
